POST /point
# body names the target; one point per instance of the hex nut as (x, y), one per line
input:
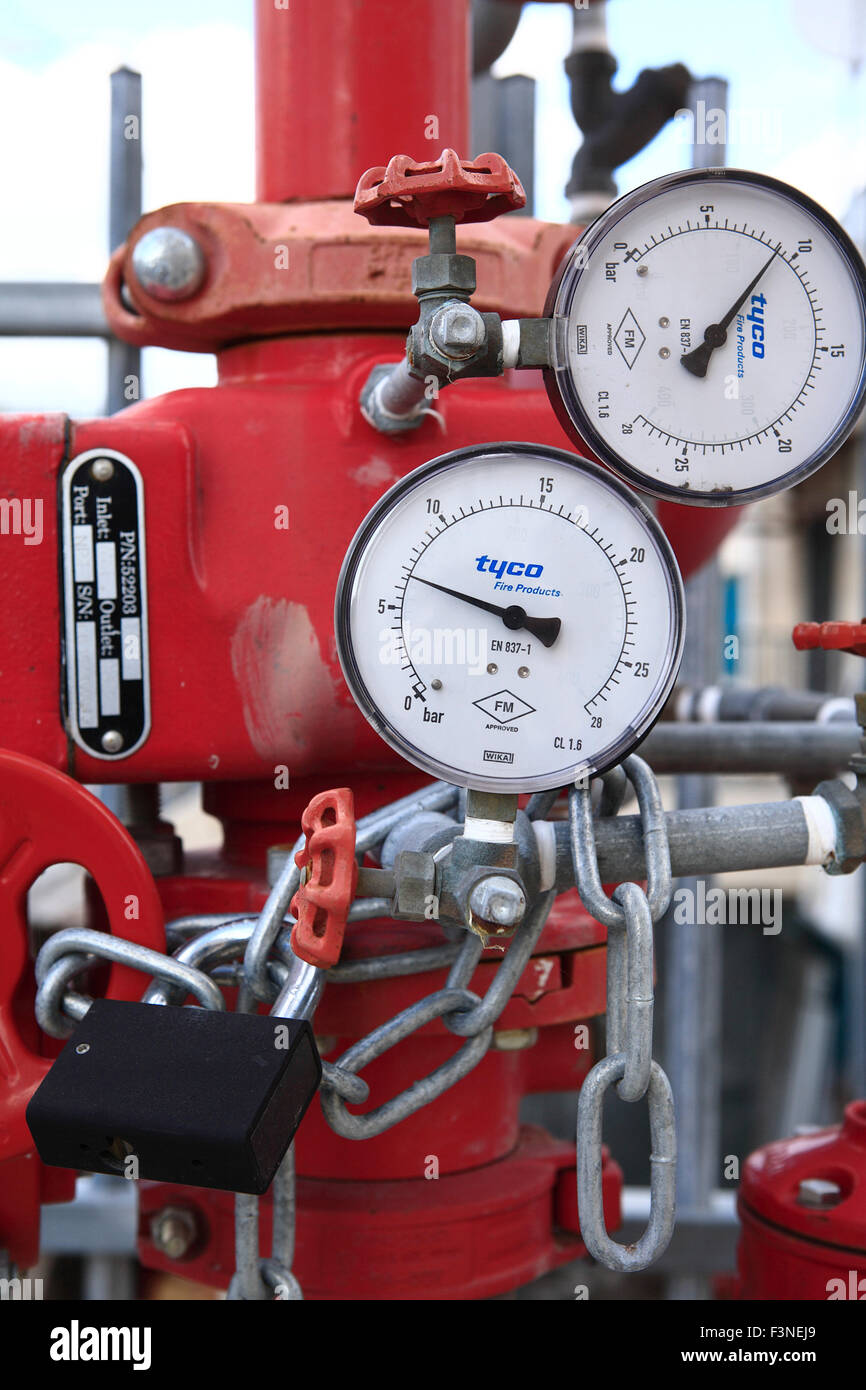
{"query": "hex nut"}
(457, 330)
(818, 1193)
(851, 836)
(415, 876)
(174, 1231)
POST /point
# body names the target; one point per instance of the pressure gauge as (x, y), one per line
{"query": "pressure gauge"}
(509, 618)
(708, 337)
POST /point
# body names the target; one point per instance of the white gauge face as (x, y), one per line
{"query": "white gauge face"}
(708, 338)
(509, 618)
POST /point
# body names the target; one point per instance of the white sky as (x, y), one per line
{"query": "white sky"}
(803, 117)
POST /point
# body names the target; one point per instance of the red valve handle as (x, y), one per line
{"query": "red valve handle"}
(831, 637)
(329, 877)
(410, 194)
(47, 818)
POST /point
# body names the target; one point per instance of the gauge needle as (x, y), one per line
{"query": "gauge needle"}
(716, 335)
(514, 617)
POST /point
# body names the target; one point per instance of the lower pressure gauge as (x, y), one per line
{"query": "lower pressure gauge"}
(708, 336)
(510, 618)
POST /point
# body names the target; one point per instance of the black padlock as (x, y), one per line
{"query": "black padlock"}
(194, 1096)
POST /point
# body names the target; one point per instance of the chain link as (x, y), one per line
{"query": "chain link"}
(55, 1013)
(630, 990)
(663, 1157)
(258, 1279)
(629, 916)
(420, 1093)
(654, 830)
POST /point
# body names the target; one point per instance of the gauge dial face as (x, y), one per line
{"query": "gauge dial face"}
(510, 618)
(708, 339)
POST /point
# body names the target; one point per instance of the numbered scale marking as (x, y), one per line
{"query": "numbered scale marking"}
(708, 337)
(510, 618)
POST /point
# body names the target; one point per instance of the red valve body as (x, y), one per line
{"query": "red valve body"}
(790, 1249)
(245, 682)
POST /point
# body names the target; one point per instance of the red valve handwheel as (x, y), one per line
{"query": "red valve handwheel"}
(329, 877)
(831, 637)
(47, 818)
(410, 194)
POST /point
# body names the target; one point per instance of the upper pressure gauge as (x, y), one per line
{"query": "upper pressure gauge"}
(708, 337)
(509, 618)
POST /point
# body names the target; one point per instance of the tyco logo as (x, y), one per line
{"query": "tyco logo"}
(485, 565)
(756, 319)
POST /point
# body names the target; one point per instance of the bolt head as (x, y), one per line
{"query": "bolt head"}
(81, 1048)
(497, 901)
(112, 740)
(102, 470)
(168, 264)
(458, 330)
(818, 1193)
(173, 1231)
(514, 1039)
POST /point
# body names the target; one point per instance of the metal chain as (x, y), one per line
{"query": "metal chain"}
(462, 1013)
(212, 945)
(629, 916)
(420, 1093)
(654, 830)
(68, 952)
(663, 1156)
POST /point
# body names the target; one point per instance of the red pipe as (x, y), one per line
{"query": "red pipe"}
(342, 85)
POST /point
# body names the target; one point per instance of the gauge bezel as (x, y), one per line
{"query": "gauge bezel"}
(559, 377)
(613, 752)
